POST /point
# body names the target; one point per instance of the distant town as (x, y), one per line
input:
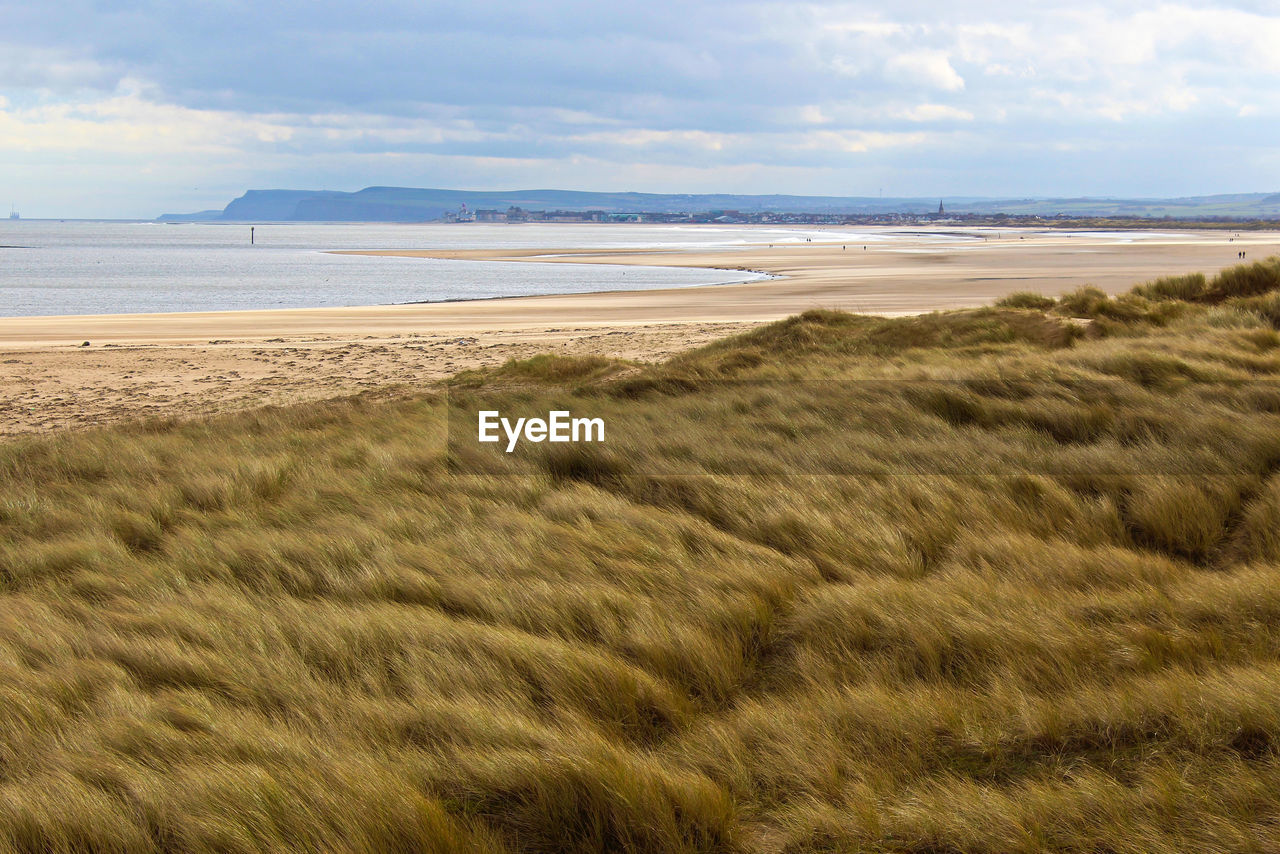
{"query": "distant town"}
(515, 214)
(519, 214)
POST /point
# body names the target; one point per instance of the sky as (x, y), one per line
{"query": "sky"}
(132, 109)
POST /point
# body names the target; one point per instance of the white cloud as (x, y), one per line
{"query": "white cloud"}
(931, 69)
(858, 142)
(128, 123)
(813, 114)
(645, 137)
(878, 29)
(933, 113)
(1119, 108)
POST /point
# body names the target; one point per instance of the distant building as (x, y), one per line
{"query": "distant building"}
(490, 216)
(941, 212)
(573, 216)
(461, 215)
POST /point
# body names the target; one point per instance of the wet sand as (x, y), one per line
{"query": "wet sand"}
(905, 276)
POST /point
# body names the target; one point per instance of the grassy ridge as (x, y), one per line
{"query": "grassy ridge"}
(841, 583)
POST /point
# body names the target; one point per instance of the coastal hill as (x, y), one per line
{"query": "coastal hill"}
(404, 204)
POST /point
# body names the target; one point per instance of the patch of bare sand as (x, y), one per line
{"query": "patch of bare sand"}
(59, 387)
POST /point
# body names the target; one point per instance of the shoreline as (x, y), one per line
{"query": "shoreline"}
(899, 277)
(188, 364)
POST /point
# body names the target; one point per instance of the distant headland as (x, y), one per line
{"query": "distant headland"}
(404, 204)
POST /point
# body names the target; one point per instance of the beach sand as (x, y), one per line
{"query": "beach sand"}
(167, 365)
(53, 387)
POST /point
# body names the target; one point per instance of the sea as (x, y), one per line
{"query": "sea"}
(57, 267)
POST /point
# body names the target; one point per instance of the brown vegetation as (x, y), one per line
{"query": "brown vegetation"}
(994, 580)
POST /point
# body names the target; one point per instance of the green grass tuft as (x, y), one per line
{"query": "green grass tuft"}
(1028, 300)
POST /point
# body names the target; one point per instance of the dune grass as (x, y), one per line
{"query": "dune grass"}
(996, 580)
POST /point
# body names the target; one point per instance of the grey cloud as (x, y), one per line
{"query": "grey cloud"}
(1005, 98)
(607, 59)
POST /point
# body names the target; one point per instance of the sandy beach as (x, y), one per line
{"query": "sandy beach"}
(163, 365)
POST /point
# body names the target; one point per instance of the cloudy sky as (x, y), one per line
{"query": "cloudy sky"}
(130, 109)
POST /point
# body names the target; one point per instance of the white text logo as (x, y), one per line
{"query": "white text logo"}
(558, 426)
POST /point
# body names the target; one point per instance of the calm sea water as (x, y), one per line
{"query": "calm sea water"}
(49, 267)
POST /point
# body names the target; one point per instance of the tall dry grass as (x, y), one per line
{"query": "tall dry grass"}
(997, 580)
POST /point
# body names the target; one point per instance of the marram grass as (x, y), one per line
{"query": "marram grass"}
(989, 581)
